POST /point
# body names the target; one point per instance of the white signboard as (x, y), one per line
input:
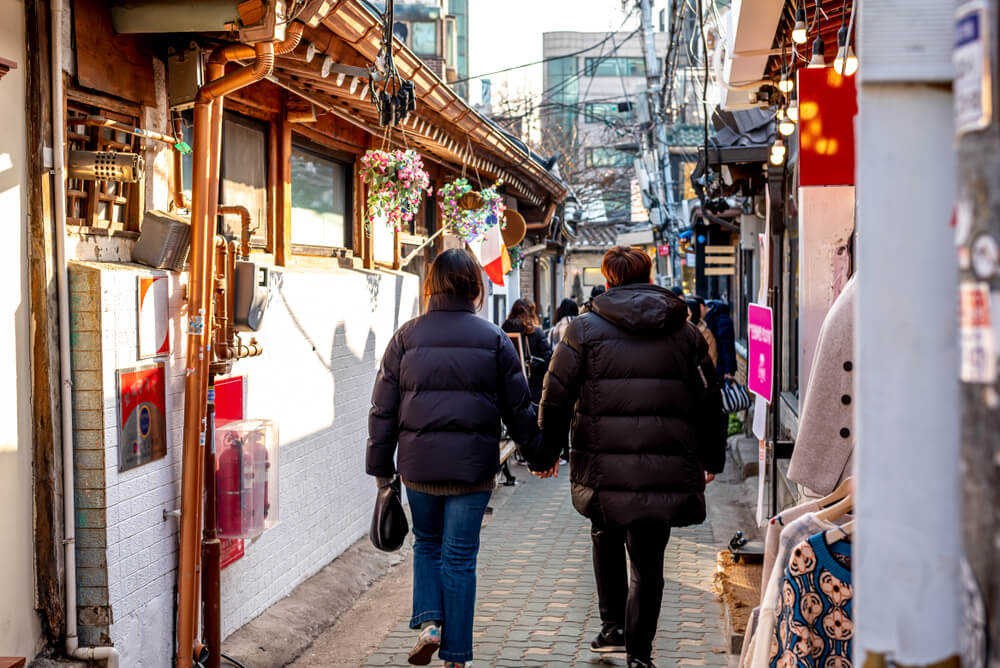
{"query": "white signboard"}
(971, 57)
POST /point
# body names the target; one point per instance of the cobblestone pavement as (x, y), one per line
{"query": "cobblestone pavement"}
(537, 605)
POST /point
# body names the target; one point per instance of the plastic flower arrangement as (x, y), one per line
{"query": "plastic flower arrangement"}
(470, 223)
(516, 256)
(396, 182)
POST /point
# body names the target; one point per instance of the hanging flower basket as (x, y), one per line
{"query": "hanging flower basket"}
(516, 257)
(469, 223)
(396, 182)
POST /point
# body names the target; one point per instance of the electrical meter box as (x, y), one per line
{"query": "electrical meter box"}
(246, 477)
(252, 294)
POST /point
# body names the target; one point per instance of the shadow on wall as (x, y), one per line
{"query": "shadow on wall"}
(325, 495)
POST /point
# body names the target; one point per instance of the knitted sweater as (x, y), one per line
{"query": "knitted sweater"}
(445, 488)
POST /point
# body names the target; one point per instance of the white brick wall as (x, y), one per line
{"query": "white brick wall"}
(323, 336)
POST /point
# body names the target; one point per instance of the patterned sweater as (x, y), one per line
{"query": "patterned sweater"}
(815, 626)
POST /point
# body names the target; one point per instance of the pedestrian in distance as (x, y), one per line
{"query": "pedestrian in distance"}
(446, 381)
(523, 320)
(565, 314)
(634, 379)
(695, 308)
(718, 319)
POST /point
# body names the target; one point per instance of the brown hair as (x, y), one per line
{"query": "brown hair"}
(455, 272)
(624, 265)
(526, 312)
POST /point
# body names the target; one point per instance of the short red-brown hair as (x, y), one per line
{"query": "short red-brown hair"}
(624, 265)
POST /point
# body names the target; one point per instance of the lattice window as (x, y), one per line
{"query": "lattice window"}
(100, 205)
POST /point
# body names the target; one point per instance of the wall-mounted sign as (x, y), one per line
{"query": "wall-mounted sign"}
(142, 424)
(154, 317)
(971, 58)
(760, 354)
(976, 334)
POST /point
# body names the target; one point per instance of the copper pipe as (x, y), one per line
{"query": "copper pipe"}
(177, 184)
(100, 121)
(244, 214)
(200, 310)
(231, 299)
(211, 548)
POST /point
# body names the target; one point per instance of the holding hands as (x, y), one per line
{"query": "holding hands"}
(551, 473)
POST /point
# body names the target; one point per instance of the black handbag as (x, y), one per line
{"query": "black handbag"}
(735, 398)
(389, 525)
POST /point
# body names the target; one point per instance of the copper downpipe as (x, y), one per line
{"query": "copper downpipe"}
(244, 214)
(199, 330)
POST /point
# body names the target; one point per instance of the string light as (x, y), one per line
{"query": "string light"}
(801, 31)
(786, 126)
(786, 85)
(793, 108)
(778, 152)
(846, 63)
(818, 57)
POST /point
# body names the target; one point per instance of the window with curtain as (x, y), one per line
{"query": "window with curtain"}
(243, 174)
(321, 198)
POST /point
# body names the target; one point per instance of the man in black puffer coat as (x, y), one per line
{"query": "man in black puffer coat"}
(634, 382)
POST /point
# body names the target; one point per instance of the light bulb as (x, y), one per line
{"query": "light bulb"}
(786, 85)
(846, 63)
(818, 57)
(780, 114)
(786, 127)
(801, 32)
(778, 151)
(793, 111)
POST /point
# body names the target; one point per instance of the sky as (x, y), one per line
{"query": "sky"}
(503, 33)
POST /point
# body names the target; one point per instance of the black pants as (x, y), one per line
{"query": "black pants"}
(631, 604)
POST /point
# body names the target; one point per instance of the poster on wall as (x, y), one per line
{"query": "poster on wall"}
(142, 424)
(154, 317)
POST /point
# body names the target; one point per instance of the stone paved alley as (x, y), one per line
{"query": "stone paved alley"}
(537, 603)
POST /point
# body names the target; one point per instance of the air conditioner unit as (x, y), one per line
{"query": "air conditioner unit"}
(164, 241)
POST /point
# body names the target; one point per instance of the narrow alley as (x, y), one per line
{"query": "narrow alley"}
(537, 605)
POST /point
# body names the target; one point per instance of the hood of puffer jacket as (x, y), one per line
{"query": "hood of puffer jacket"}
(641, 308)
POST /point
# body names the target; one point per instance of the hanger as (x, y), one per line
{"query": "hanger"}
(843, 490)
(843, 532)
(837, 510)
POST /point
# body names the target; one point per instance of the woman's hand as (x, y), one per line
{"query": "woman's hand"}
(551, 473)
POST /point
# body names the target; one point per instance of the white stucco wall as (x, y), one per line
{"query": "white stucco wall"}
(323, 336)
(19, 625)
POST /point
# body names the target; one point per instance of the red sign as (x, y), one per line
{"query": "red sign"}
(142, 434)
(828, 104)
(664, 251)
(229, 406)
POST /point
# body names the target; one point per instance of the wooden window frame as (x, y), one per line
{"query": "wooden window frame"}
(90, 194)
(347, 159)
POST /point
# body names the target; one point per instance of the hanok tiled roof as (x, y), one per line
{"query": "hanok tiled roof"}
(686, 135)
(594, 237)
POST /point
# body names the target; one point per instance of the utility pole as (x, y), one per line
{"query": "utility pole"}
(657, 133)
(978, 239)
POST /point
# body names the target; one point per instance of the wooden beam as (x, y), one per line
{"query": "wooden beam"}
(273, 178)
(283, 235)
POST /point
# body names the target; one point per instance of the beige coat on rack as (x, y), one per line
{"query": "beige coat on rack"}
(824, 447)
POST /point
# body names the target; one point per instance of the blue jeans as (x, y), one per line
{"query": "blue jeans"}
(446, 533)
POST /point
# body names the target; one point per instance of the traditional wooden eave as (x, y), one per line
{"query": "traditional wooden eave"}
(444, 127)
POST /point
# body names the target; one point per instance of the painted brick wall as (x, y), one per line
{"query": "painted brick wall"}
(323, 336)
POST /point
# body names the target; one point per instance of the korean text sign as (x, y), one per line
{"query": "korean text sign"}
(760, 366)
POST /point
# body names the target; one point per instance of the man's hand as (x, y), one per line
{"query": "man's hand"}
(709, 477)
(551, 473)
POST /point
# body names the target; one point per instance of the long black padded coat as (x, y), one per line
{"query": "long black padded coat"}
(446, 381)
(634, 381)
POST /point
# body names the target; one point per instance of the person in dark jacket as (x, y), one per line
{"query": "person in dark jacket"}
(523, 320)
(446, 381)
(634, 379)
(720, 322)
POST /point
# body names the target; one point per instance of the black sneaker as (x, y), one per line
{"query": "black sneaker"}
(609, 643)
(640, 663)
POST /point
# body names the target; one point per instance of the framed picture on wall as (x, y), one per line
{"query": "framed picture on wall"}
(154, 317)
(142, 421)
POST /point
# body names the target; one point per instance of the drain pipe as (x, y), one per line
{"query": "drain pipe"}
(73, 649)
(199, 351)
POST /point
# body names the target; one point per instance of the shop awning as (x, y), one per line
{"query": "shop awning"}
(741, 137)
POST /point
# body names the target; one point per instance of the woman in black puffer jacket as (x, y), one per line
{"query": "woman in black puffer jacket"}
(523, 320)
(634, 379)
(447, 379)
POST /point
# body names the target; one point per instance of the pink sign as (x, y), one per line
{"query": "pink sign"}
(760, 365)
